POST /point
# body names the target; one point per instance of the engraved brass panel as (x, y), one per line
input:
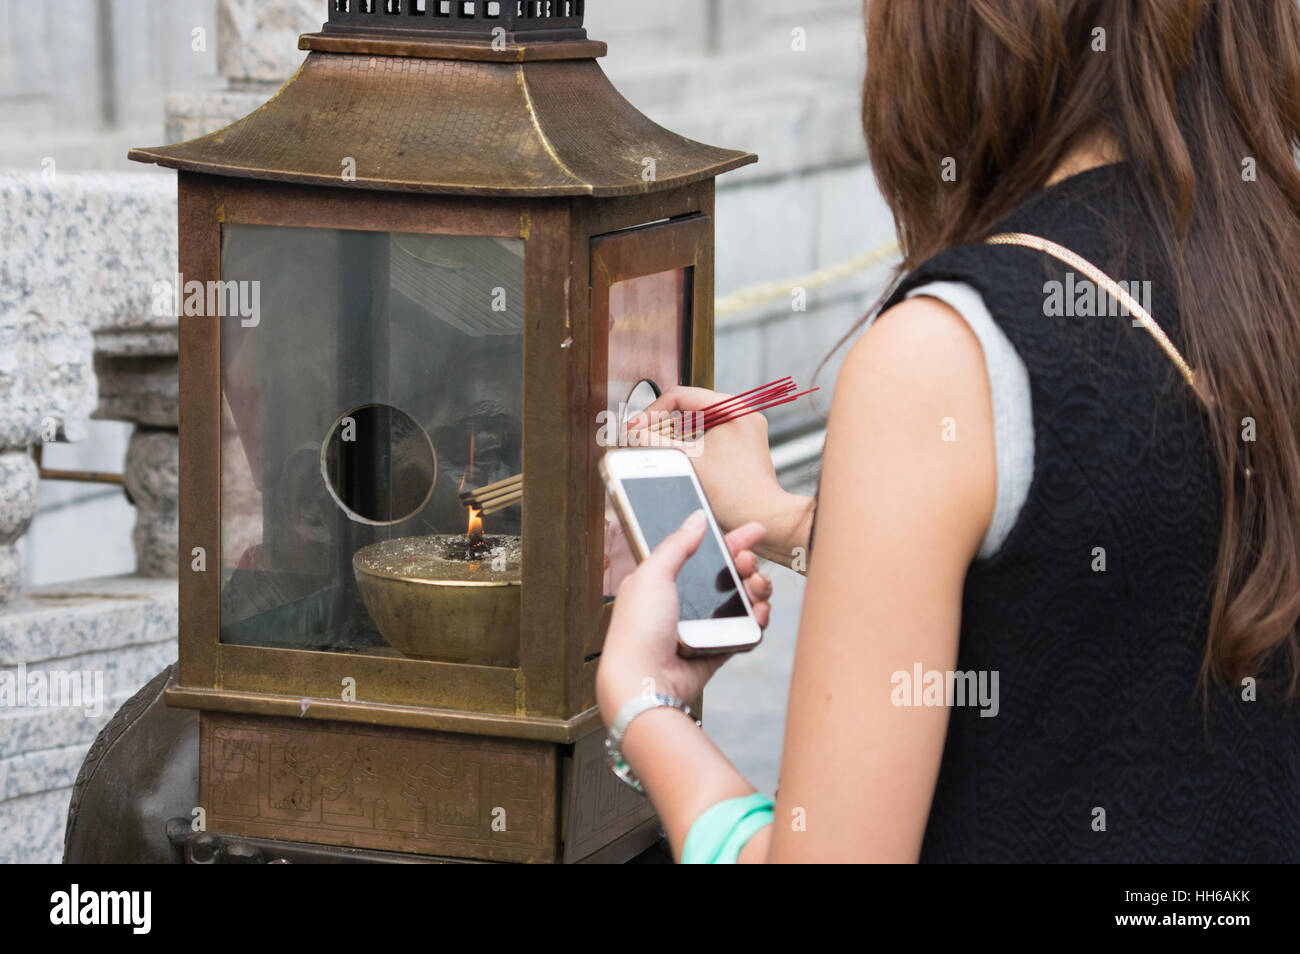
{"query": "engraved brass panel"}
(387, 789)
(598, 808)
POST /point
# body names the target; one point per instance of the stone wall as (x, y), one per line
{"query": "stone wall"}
(79, 254)
(81, 81)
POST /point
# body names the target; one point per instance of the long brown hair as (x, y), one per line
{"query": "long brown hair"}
(1198, 95)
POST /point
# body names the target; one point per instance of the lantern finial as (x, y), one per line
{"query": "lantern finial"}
(510, 21)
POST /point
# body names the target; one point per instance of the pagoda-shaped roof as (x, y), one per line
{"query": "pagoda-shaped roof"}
(462, 125)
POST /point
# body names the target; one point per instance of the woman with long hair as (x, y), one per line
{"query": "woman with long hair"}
(1054, 559)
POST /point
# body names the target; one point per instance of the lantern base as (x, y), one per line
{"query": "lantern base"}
(434, 795)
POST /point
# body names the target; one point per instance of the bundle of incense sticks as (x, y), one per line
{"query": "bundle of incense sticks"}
(506, 493)
(693, 424)
(493, 497)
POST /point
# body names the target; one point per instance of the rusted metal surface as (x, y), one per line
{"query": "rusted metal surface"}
(200, 206)
(555, 427)
(451, 126)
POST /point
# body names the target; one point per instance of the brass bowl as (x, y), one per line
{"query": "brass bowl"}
(429, 607)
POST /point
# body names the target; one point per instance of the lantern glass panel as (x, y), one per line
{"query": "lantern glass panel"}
(381, 375)
(648, 331)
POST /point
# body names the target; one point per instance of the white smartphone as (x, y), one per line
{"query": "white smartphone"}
(654, 490)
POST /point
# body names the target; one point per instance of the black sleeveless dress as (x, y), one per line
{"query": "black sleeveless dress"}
(1103, 749)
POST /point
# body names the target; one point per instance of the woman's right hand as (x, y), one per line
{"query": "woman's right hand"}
(734, 464)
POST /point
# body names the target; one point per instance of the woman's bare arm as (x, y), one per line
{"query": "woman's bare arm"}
(908, 488)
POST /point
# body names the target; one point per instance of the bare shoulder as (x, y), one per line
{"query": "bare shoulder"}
(913, 409)
(927, 339)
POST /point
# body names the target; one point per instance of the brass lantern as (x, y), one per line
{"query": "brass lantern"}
(440, 258)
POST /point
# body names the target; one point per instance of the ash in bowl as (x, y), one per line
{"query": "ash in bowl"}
(450, 557)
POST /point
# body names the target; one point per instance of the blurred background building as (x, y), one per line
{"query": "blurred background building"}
(88, 370)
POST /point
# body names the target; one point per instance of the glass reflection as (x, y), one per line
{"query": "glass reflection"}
(648, 321)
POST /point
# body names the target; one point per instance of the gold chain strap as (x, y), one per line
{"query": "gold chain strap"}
(1113, 288)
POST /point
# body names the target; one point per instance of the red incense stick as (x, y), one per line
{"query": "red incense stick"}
(727, 418)
(761, 398)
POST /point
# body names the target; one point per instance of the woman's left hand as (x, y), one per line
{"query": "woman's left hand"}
(640, 652)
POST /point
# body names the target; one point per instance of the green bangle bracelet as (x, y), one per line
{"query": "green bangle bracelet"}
(719, 834)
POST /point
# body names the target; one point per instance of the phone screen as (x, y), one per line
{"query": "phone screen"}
(705, 587)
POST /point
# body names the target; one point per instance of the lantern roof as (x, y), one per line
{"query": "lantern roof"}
(441, 97)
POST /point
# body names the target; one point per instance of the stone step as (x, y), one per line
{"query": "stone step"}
(62, 621)
(33, 728)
